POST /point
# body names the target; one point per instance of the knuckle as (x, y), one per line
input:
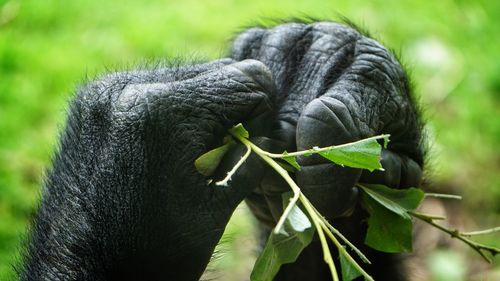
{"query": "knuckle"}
(247, 43)
(326, 121)
(135, 98)
(284, 38)
(255, 74)
(116, 98)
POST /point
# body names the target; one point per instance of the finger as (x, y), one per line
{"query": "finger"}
(375, 90)
(280, 48)
(322, 60)
(209, 103)
(399, 172)
(233, 93)
(302, 58)
(247, 44)
(259, 207)
(330, 187)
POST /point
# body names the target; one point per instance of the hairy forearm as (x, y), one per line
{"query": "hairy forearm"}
(90, 213)
(60, 245)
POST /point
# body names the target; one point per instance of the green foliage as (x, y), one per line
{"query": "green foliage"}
(387, 231)
(389, 224)
(291, 160)
(398, 201)
(207, 163)
(364, 154)
(285, 246)
(349, 272)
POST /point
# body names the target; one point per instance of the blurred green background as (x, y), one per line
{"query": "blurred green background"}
(451, 47)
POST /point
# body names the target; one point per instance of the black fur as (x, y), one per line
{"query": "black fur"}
(123, 200)
(334, 85)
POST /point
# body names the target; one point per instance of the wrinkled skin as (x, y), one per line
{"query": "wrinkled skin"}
(334, 85)
(123, 200)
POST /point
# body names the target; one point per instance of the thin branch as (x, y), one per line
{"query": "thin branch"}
(343, 238)
(441, 195)
(297, 192)
(242, 160)
(327, 256)
(479, 248)
(429, 216)
(344, 252)
(318, 149)
(295, 188)
(481, 232)
(286, 212)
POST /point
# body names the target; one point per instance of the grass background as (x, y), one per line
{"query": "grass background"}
(48, 47)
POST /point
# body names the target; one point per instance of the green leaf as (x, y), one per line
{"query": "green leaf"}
(389, 224)
(387, 231)
(284, 247)
(364, 154)
(240, 131)
(348, 271)
(207, 163)
(386, 141)
(292, 160)
(399, 201)
(287, 167)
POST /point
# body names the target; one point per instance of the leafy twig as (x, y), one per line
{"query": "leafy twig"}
(343, 238)
(316, 149)
(229, 174)
(320, 223)
(386, 206)
(344, 252)
(478, 247)
(329, 229)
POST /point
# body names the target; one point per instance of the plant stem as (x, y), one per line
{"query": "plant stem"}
(327, 256)
(242, 160)
(479, 248)
(344, 252)
(283, 173)
(441, 195)
(320, 223)
(316, 150)
(354, 248)
(328, 228)
(481, 232)
(297, 195)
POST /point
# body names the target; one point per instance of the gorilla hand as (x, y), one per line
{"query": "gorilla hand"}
(123, 200)
(334, 85)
